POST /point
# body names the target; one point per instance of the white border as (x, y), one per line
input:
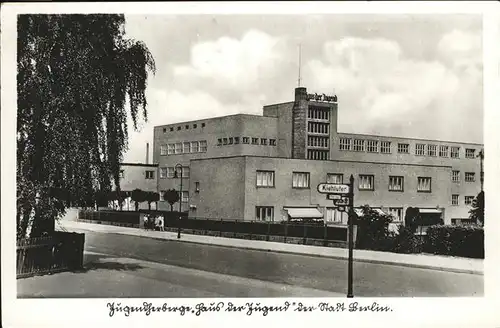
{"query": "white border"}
(408, 312)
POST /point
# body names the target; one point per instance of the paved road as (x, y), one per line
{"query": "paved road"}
(373, 280)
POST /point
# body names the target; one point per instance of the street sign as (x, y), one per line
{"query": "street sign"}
(333, 196)
(341, 208)
(333, 188)
(341, 202)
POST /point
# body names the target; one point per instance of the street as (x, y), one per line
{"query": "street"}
(196, 270)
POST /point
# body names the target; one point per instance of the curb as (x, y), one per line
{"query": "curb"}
(336, 257)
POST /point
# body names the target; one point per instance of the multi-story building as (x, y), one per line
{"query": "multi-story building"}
(267, 167)
(137, 176)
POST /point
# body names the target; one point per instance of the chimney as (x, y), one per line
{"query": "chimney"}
(147, 152)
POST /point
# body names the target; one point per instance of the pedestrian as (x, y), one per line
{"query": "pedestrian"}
(146, 222)
(161, 223)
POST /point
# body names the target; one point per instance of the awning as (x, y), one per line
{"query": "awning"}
(304, 213)
(430, 210)
(359, 211)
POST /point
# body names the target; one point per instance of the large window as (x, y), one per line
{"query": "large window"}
(420, 149)
(170, 149)
(185, 172)
(468, 200)
(186, 147)
(150, 174)
(372, 146)
(455, 176)
(335, 178)
(443, 151)
(184, 197)
(455, 152)
(178, 148)
(396, 213)
(264, 213)
(424, 184)
(265, 178)
(345, 143)
(255, 141)
(431, 150)
(300, 180)
(470, 176)
(385, 147)
(396, 183)
(334, 215)
(170, 172)
(163, 150)
(195, 146)
(203, 146)
(454, 199)
(359, 145)
(163, 172)
(366, 182)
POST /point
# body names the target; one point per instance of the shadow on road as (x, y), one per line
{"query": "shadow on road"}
(98, 262)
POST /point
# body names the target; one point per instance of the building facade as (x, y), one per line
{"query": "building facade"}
(267, 167)
(137, 176)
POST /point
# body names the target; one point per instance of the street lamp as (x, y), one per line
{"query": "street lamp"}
(481, 159)
(177, 167)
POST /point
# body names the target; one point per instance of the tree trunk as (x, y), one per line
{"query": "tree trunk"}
(171, 207)
(149, 206)
(137, 206)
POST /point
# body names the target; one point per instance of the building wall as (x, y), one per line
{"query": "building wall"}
(134, 177)
(221, 188)
(283, 113)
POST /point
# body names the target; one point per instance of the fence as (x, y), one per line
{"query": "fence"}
(57, 252)
(126, 218)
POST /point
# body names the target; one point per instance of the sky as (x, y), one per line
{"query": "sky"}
(417, 76)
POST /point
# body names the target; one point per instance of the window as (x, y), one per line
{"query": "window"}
(203, 146)
(333, 215)
(359, 145)
(424, 184)
(164, 130)
(122, 174)
(315, 127)
(219, 142)
(150, 174)
(263, 141)
(385, 147)
(443, 151)
(195, 126)
(194, 146)
(373, 146)
(420, 149)
(321, 155)
(236, 140)
(171, 149)
(300, 180)
(455, 152)
(163, 150)
(178, 148)
(231, 140)
(265, 178)
(202, 125)
(403, 148)
(171, 129)
(272, 142)
(334, 178)
(396, 183)
(246, 140)
(162, 192)
(184, 196)
(345, 144)
(255, 141)
(187, 148)
(170, 172)
(366, 182)
(264, 213)
(431, 150)
(470, 176)
(197, 186)
(468, 200)
(185, 171)
(178, 128)
(163, 172)
(224, 141)
(455, 176)
(470, 153)
(396, 213)
(454, 200)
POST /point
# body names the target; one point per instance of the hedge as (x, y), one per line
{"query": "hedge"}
(464, 241)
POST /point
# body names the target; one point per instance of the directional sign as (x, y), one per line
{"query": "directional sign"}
(333, 188)
(341, 202)
(341, 209)
(333, 196)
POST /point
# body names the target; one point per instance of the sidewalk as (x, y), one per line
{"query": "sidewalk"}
(436, 262)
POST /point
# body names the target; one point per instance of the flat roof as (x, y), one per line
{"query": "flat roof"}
(138, 164)
(329, 160)
(407, 138)
(214, 118)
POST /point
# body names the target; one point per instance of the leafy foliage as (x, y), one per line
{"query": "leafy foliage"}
(78, 79)
(373, 230)
(476, 213)
(172, 197)
(412, 217)
(138, 196)
(151, 197)
(466, 241)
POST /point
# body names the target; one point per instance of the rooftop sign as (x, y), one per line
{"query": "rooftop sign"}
(321, 97)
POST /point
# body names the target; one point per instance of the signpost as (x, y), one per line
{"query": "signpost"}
(342, 196)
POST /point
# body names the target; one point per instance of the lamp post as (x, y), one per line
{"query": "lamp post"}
(179, 166)
(481, 159)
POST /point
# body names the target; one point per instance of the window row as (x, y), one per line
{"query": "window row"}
(385, 147)
(365, 181)
(315, 127)
(148, 174)
(317, 141)
(246, 140)
(186, 126)
(169, 172)
(316, 154)
(184, 197)
(318, 113)
(469, 176)
(455, 200)
(186, 147)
